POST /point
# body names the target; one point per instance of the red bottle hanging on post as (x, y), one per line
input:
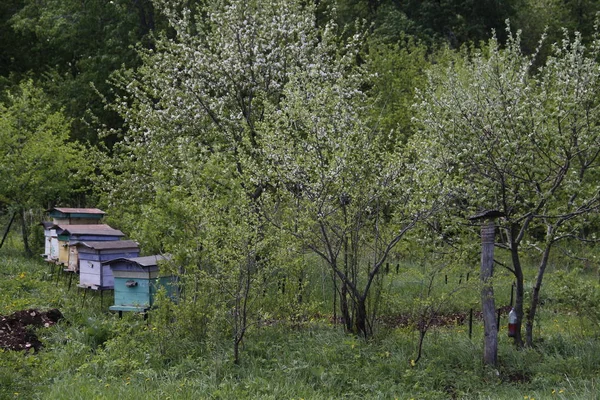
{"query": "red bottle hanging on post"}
(512, 323)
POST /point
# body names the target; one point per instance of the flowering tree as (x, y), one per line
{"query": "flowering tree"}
(349, 192)
(520, 141)
(195, 142)
(253, 112)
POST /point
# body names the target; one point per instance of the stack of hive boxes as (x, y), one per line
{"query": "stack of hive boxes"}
(62, 217)
(78, 240)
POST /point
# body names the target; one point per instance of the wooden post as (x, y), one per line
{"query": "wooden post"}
(470, 323)
(488, 306)
(498, 320)
(25, 233)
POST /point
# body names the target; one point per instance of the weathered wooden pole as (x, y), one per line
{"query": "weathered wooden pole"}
(488, 306)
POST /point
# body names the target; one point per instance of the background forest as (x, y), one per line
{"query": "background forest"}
(311, 167)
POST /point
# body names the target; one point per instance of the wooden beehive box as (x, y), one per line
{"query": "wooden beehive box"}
(92, 273)
(136, 282)
(76, 216)
(70, 234)
(50, 242)
(65, 216)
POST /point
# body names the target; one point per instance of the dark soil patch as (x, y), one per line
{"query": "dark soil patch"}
(17, 330)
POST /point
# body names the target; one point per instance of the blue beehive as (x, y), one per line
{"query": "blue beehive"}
(137, 280)
(94, 275)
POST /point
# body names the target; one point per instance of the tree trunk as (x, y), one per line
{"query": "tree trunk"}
(422, 332)
(520, 288)
(490, 344)
(335, 296)
(361, 323)
(236, 351)
(535, 297)
(25, 233)
(12, 218)
(344, 309)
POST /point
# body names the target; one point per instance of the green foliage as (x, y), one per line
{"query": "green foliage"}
(535, 17)
(74, 45)
(577, 292)
(13, 60)
(397, 71)
(37, 163)
(450, 22)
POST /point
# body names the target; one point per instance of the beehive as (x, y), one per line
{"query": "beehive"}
(75, 216)
(66, 216)
(68, 234)
(50, 242)
(92, 273)
(136, 282)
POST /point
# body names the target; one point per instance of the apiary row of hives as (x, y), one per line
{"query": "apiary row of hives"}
(77, 240)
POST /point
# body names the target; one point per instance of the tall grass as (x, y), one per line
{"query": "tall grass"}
(93, 354)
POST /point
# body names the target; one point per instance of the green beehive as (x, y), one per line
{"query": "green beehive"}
(137, 280)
